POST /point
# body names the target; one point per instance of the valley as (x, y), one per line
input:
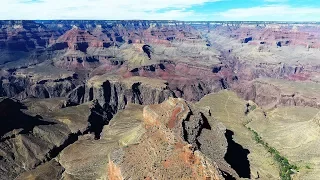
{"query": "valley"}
(158, 99)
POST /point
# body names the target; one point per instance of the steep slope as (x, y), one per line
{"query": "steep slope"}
(32, 137)
(297, 130)
(293, 132)
(229, 109)
(269, 93)
(155, 142)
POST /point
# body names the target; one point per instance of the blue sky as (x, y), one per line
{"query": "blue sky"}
(213, 10)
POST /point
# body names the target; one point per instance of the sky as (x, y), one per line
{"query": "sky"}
(187, 10)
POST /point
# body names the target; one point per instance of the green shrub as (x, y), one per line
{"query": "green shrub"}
(286, 169)
(253, 107)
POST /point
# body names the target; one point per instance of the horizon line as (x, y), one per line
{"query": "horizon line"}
(279, 21)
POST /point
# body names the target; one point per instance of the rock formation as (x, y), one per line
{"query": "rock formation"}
(104, 99)
(35, 132)
(154, 142)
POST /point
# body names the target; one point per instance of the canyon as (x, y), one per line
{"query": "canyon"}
(158, 99)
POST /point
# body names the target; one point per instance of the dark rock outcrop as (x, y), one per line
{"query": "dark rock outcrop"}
(114, 94)
(32, 137)
(23, 87)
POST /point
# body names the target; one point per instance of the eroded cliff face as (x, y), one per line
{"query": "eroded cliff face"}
(115, 93)
(155, 141)
(269, 93)
(36, 131)
(255, 54)
(146, 85)
(72, 56)
(21, 88)
(195, 59)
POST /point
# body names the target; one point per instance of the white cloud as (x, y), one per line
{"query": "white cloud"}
(150, 9)
(98, 9)
(271, 13)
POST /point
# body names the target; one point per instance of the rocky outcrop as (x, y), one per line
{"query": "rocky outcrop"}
(269, 93)
(23, 87)
(114, 93)
(151, 142)
(248, 71)
(38, 81)
(77, 39)
(50, 170)
(32, 137)
(186, 80)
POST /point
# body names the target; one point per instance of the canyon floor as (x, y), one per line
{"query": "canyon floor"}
(84, 100)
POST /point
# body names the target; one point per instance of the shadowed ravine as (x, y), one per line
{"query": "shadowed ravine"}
(237, 156)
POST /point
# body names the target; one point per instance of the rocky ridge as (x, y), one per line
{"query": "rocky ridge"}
(153, 142)
(37, 130)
